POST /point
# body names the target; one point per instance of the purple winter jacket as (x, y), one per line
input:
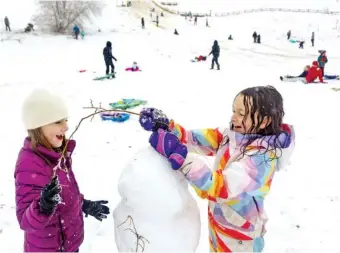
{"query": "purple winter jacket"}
(63, 230)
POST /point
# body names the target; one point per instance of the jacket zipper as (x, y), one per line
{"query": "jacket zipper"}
(62, 234)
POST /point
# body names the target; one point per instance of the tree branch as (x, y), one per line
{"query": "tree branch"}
(140, 239)
(97, 111)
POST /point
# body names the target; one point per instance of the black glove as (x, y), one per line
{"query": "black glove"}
(50, 197)
(96, 209)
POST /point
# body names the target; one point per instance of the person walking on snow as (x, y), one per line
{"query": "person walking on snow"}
(107, 52)
(76, 31)
(247, 155)
(143, 23)
(215, 51)
(255, 37)
(289, 33)
(6, 20)
(313, 39)
(322, 60)
(49, 204)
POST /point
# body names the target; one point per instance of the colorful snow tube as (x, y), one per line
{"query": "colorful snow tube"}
(127, 103)
(115, 116)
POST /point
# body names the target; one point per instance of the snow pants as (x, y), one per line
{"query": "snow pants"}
(323, 71)
(109, 64)
(8, 28)
(215, 60)
(223, 239)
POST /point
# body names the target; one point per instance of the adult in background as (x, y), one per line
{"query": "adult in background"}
(215, 51)
(107, 52)
(6, 20)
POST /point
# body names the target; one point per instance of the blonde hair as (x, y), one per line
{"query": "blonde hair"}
(37, 137)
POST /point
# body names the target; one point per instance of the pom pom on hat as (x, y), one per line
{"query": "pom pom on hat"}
(41, 108)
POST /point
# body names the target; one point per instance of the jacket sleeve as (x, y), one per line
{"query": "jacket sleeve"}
(252, 175)
(201, 141)
(28, 187)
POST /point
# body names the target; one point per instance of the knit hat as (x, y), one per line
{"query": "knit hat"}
(41, 108)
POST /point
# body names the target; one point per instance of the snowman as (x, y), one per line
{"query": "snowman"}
(156, 212)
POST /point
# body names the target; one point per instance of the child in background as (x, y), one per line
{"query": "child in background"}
(247, 156)
(133, 68)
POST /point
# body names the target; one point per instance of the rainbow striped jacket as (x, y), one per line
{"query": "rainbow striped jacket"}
(237, 183)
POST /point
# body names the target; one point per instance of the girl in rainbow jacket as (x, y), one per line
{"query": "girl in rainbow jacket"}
(247, 156)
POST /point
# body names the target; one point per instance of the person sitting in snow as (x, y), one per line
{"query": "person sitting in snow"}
(134, 67)
(49, 204)
(107, 52)
(200, 58)
(296, 78)
(247, 155)
(230, 37)
(313, 73)
(304, 74)
(301, 43)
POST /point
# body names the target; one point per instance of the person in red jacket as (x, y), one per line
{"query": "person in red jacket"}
(314, 72)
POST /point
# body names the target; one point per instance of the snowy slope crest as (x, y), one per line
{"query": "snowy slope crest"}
(160, 204)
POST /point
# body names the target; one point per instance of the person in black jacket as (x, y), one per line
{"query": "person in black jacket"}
(215, 51)
(7, 24)
(107, 52)
(143, 23)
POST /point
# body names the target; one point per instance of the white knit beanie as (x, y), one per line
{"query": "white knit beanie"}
(41, 108)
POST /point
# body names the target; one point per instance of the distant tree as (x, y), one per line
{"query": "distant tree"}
(60, 16)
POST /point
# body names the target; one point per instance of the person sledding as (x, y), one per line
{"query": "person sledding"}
(303, 75)
(199, 58)
(313, 73)
(134, 67)
(296, 78)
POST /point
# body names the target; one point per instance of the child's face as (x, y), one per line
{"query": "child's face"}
(55, 132)
(243, 124)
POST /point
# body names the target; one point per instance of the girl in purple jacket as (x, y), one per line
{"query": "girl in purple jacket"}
(49, 205)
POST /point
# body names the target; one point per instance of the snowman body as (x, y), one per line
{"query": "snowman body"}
(157, 212)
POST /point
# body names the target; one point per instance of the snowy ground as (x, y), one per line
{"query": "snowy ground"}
(304, 203)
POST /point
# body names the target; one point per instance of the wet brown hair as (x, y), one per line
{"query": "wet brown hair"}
(266, 101)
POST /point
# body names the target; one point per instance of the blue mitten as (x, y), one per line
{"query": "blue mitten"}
(168, 145)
